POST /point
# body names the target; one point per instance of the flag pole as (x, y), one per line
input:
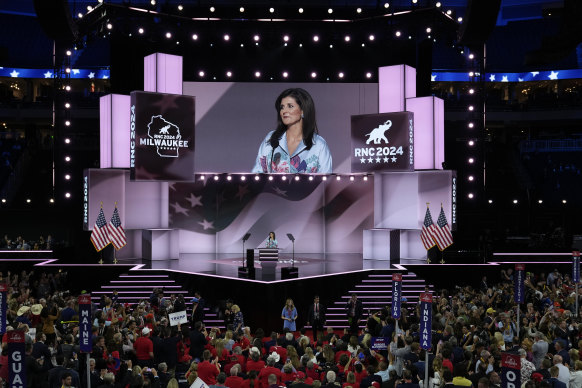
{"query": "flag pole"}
(101, 251)
(427, 259)
(443, 251)
(115, 250)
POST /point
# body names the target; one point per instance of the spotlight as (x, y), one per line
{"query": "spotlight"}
(296, 177)
(109, 26)
(241, 9)
(140, 30)
(256, 38)
(202, 177)
(515, 201)
(216, 177)
(300, 44)
(358, 10)
(28, 200)
(324, 178)
(470, 195)
(438, 4)
(67, 176)
(286, 38)
(564, 201)
(212, 9)
(67, 123)
(470, 125)
(449, 12)
(67, 140)
(386, 5)
(67, 195)
(168, 35)
(313, 74)
(285, 74)
(471, 143)
(371, 37)
(228, 178)
(347, 38)
(330, 11)
(331, 46)
(69, 53)
(257, 177)
(540, 201)
(471, 178)
(300, 10)
(3, 200)
(471, 108)
(271, 10)
(89, 8)
(368, 75)
(229, 74)
(351, 179)
(52, 200)
(341, 74)
(67, 158)
(226, 37)
(365, 178)
(153, 2)
(310, 178)
(471, 74)
(180, 7)
(428, 30)
(257, 74)
(194, 36)
(315, 38)
(80, 15)
(201, 73)
(471, 91)
(67, 105)
(68, 88)
(471, 56)
(490, 201)
(270, 177)
(283, 178)
(338, 178)
(471, 160)
(398, 33)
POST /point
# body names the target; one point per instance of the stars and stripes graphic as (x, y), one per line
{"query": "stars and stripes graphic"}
(116, 232)
(99, 234)
(442, 232)
(428, 231)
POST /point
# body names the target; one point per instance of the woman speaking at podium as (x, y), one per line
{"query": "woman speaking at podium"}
(294, 146)
(271, 241)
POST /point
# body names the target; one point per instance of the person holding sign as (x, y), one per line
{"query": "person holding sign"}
(294, 146)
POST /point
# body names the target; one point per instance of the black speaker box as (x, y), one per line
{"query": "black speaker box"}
(289, 273)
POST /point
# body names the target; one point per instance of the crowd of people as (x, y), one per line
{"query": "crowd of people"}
(21, 244)
(135, 345)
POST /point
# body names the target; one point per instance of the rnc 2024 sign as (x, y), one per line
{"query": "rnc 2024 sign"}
(161, 136)
(383, 142)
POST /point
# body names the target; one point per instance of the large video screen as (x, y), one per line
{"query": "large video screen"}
(232, 119)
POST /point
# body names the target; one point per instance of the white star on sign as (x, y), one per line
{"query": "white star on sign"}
(370, 160)
(105, 76)
(207, 224)
(534, 73)
(520, 79)
(386, 160)
(433, 77)
(14, 74)
(394, 159)
(75, 71)
(179, 209)
(504, 79)
(48, 74)
(363, 160)
(553, 75)
(377, 160)
(91, 75)
(279, 191)
(492, 77)
(194, 200)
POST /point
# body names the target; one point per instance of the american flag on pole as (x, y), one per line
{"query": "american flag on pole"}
(442, 232)
(116, 232)
(428, 231)
(100, 235)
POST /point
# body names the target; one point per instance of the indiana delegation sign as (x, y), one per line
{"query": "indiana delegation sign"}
(383, 142)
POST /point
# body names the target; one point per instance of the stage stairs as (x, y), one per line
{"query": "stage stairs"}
(137, 285)
(375, 292)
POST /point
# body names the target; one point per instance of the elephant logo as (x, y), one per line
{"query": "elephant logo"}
(377, 134)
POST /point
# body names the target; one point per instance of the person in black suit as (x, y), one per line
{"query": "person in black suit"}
(354, 312)
(316, 317)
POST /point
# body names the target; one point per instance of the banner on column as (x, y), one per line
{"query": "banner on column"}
(510, 370)
(396, 294)
(576, 266)
(85, 324)
(3, 307)
(519, 291)
(16, 357)
(426, 320)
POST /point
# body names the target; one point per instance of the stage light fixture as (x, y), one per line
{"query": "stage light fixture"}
(313, 74)
(52, 200)
(564, 201)
(257, 177)
(471, 91)
(310, 178)
(471, 74)
(67, 123)
(168, 35)
(283, 178)
(242, 45)
(68, 88)
(449, 12)
(315, 38)
(300, 44)
(80, 15)
(324, 178)
(3, 200)
(459, 19)
(438, 4)
(300, 10)
(202, 177)
(67, 176)
(212, 9)
(471, 160)
(341, 74)
(398, 33)
(28, 200)
(331, 46)
(226, 37)
(386, 5)
(89, 8)
(358, 10)
(109, 26)
(285, 38)
(180, 7)
(243, 178)
(285, 74)
(257, 74)
(271, 10)
(68, 53)
(330, 11)
(428, 30)
(67, 105)
(490, 201)
(270, 177)
(515, 201)
(347, 38)
(256, 38)
(141, 30)
(153, 2)
(371, 37)
(471, 108)
(296, 177)
(365, 178)
(470, 125)
(351, 178)
(471, 143)
(67, 140)
(201, 73)
(67, 195)
(216, 177)
(540, 201)
(470, 195)
(194, 36)
(229, 74)
(228, 178)
(368, 75)
(67, 158)
(241, 9)
(471, 178)
(471, 56)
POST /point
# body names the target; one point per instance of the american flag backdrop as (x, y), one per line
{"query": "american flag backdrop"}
(428, 231)
(442, 232)
(116, 232)
(99, 234)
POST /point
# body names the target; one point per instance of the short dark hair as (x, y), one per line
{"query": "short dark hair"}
(221, 378)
